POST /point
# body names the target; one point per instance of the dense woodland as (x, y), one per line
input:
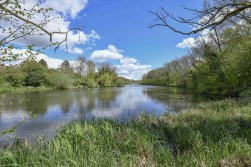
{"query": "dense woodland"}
(31, 73)
(219, 63)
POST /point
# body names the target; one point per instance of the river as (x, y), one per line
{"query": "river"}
(49, 110)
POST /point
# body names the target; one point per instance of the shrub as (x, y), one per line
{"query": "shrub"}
(104, 80)
(15, 77)
(35, 73)
(90, 83)
(58, 80)
(34, 78)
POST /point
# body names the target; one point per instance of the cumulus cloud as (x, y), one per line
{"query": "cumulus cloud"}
(191, 42)
(129, 67)
(67, 7)
(111, 53)
(133, 71)
(76, 50)
(128, 60)
(187, 43)
(51, 62)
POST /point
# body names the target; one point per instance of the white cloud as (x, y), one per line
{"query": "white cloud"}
(67, 7)
(133, 71)
(76, 50)
(187, 43)
(111, 53)
(128, 60)
(51, 62)
(129, 67)
(204, 36)
(123, 72)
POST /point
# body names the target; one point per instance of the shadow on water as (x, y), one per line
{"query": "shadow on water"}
(175, 99)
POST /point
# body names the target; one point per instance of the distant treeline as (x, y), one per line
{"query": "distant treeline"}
(83, 74)
(220, 63)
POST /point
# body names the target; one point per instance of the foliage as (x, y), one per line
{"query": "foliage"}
(58, 80)
(43, 62)
(90, 68)
(65, 67)
(210, 67)
(237, 56)
(105, 80)
(81, 67)
(15, 76)
(89, 82)
(107, 76)
(106, 68)
(35, 73)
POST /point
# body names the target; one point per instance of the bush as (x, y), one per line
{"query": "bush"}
(90, 83)
(34, 78)
(15, 77)
(105, 80)
(58, 80)
(35, 73)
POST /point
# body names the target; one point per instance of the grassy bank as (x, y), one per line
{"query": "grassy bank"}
(11, 89)
(213, 134)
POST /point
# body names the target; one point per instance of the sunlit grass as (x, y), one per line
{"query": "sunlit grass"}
(212, 134)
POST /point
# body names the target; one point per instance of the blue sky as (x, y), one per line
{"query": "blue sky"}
(124, 23)
(117, 31)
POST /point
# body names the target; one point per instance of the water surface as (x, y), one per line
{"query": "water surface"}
(46, 111)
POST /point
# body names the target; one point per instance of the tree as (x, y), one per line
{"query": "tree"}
(43, 62)
(65, 67)
(107, 75)
(22, 23)
(213, 14)
(106, 67)
(90, 68)
(35, 73)
(238, 64)
(81, 65)
(105, 80)
(15, 76)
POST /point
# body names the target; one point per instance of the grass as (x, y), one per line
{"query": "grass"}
(5, 89)
(212, 134)
(10, 89)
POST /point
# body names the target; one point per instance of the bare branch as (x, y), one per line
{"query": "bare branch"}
(213, 15)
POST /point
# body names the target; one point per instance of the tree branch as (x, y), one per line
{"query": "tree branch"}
(216, 16)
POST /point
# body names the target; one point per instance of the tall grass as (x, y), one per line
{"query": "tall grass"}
(213, 134)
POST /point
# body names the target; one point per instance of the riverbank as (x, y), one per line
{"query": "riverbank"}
(18, 90)
(10, 89)
(212, 134)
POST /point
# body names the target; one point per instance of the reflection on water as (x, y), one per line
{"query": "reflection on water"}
(47, 111)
